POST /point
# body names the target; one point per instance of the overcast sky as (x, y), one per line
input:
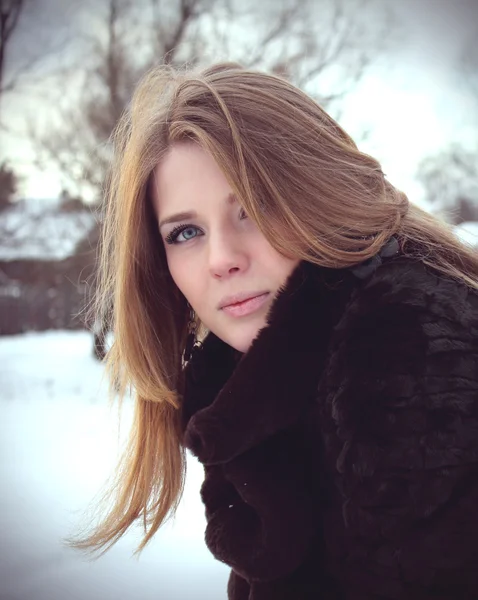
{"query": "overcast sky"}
(414, 104)
(421, 102)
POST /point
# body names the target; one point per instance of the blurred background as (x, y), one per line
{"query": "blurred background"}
(400, 77)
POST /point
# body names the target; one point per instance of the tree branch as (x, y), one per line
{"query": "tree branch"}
(297, 45)
(10, 12)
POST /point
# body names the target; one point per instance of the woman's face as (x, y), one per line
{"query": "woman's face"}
(214, 251)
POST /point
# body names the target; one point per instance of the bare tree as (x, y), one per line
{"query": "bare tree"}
(324, 47)
(450, 179)
(77, 140)
(17, 63)
(10, 11)
(33, 51)
(9, 181)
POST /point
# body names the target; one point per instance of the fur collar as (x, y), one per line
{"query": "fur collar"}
(232, 402)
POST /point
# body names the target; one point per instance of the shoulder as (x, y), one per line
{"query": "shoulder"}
(403, 366)
(404, 309)
(400, 424)
(409, 285)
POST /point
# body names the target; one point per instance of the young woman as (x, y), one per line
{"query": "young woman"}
(282, 311)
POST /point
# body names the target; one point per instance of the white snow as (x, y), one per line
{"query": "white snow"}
(59, 441)
(35, 228)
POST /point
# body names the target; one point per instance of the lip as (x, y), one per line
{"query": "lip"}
(236, 298)
(247, 306)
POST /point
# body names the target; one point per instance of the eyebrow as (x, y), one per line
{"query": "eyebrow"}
(182, 216)
(191, 214)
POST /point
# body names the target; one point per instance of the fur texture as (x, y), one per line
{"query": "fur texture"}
(341, 451)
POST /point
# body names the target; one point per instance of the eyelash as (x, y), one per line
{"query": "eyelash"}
(172, 237)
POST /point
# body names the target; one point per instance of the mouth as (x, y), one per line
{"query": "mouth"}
(246, 307)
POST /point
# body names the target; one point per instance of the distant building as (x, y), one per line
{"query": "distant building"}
(47, 263)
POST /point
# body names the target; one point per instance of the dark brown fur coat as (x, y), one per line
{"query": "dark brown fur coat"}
(341, 451)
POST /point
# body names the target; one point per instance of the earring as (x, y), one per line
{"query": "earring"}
(191, 341)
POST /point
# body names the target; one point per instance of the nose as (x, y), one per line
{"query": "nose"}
(228, 254)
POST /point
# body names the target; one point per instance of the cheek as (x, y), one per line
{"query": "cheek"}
(178, 273)
(183, 276)
(281, 265)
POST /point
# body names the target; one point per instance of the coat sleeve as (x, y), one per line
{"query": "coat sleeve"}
(261, 513)
(403, 444)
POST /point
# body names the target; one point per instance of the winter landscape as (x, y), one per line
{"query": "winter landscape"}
(402, 78)
(59, 442)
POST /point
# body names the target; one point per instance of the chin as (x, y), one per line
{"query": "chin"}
(242, 341)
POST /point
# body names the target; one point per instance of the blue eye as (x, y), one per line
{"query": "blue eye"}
(172, 238)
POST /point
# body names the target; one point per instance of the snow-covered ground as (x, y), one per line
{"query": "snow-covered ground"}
(59, 441)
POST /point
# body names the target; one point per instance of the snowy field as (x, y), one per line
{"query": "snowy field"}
(59, 441)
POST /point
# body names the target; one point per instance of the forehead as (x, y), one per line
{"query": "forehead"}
(186, 177)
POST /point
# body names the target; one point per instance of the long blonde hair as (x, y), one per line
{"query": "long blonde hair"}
(311, 192)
